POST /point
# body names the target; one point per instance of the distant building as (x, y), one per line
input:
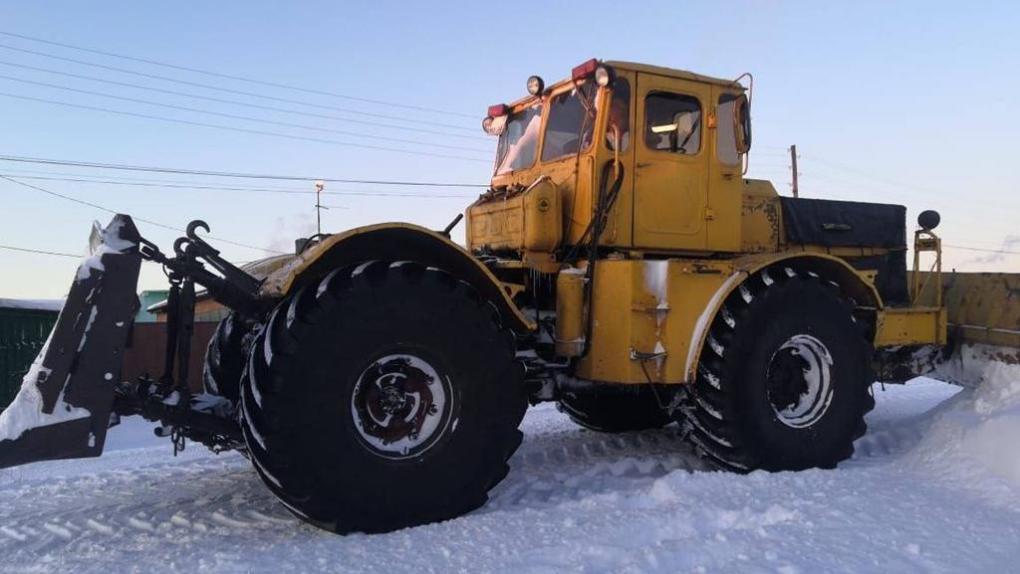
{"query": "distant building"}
(145, 354)
(207, 310)
(147, 300)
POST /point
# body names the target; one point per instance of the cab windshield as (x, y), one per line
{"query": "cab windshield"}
(569, 130)
(519, 141)
(571, 123)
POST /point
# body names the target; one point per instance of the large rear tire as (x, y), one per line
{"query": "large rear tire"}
(617, 412)
(385, 396)
(784, 380)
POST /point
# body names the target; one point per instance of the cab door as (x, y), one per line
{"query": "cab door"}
(671, 163)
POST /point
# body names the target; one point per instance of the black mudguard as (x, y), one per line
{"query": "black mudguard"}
(63, 408)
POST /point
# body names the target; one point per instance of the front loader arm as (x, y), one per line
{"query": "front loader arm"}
(65, 403)
(63, 407)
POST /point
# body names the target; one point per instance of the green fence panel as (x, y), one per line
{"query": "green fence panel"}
(23, 332)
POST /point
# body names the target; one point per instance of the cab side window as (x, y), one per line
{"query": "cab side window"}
(673, 123)
(570, 127)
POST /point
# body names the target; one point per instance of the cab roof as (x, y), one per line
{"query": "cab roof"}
(673, 73)
(647, 69)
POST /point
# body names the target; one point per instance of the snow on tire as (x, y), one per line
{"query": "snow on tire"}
(784, 380)
(381, 398)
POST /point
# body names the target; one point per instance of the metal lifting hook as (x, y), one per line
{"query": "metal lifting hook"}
(192, 233)
(191, 238)
(195, 225)
(181, 245)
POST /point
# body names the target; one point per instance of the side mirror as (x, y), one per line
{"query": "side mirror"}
(742, 124)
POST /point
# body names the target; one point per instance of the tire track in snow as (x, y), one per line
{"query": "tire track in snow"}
(572, 463)
(883, 443)
(221, 496)
(209, 495)
(190, 500)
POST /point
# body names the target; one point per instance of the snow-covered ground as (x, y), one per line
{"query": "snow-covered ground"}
(935, 486)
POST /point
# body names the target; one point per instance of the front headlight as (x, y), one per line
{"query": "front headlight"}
(535, 85)
(604, 76)
(494, 126)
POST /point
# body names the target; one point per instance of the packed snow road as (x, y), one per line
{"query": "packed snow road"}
(934, 486)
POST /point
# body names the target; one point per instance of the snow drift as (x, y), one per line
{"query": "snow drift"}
(974, 436)
(26, 410)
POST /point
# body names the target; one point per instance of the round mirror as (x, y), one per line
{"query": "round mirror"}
(929, 219)
(742, 124)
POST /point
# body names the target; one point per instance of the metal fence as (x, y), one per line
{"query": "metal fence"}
(23, 332)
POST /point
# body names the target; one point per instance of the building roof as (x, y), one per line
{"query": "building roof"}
(33, 304)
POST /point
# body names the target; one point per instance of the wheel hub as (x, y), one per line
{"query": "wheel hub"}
(799, 381)
(401, 406)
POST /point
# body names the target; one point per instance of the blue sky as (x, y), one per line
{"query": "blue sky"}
(906, 103)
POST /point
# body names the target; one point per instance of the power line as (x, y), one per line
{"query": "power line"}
(981, 249)
(233, 77)
(214, 87)
(868, 175)
(39, 251)
(773, 168)
(249, 104)
(237, 129)
(108, 210)
(236, 188)
(176, 229)
(238, 175)
(239, 117)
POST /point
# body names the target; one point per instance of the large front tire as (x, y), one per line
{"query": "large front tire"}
(386, 396)
(784, 380)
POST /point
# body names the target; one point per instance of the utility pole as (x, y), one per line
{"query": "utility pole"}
(793, 166)
(319, 186)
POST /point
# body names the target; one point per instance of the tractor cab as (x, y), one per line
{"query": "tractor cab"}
(669, 146)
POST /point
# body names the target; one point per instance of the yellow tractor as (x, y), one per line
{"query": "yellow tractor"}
(620, 264)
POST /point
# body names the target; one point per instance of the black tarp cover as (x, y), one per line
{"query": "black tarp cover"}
(833, 223)
(844, 223)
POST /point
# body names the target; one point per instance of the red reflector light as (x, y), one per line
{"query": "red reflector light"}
(584, 70)
(498, 110)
